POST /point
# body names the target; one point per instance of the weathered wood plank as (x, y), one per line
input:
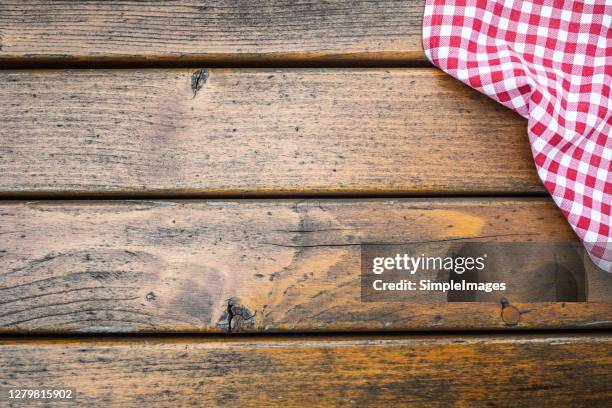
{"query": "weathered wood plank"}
(280, 265)
(256, 131)
(187, 31)
(433, 371)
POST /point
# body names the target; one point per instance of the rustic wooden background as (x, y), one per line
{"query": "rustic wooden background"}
(184, 187)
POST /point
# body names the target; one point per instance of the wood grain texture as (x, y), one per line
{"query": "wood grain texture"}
(221, 31)
(256, 265)
(433, 371)
(409, 131)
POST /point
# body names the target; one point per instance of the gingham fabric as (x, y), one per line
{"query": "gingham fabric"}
(550, 61)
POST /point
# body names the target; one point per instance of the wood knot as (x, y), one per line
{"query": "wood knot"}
(236, 318)
(198, 79)
(509, 314)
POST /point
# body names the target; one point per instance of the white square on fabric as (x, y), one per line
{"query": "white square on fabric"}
(509, 82)
(595, 216)
(590, 236)
(519, 102)
(573, 97)
(582, 38)
(487, 17)
(546, 11)
(597, 195)
(560, 181)
(589, 146)
(449, 10)
(586, 18)
(482, 57)
(539, 144)
(602, 174)
(553, 126)
(598, 79)
(578, 59)
(526, 7)
(469, 11)
(557, 56)
(539, 51)
(591, 120)
(576, 208)
(566, 15)
(463, 74)
(575, 80)
(504, 55)
(443, 52)
(503, 23)
(446, 30)
(538, 112)
(566, 160)
(602, 42)
(599, 61)
(488, 89)
(542, 31)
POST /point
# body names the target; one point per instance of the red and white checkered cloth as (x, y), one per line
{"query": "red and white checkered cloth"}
(550, 61)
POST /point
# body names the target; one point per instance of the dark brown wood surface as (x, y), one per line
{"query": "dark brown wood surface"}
(296, 131)
(187, 31)
(426, 371)
(260, 265)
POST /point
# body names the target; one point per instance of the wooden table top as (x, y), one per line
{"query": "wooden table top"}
(186, 189)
